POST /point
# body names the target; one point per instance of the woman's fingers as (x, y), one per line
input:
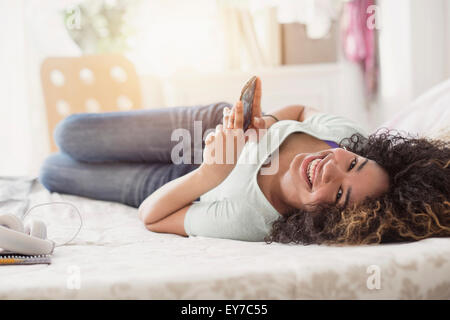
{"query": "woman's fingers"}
(231, 118)
(238, 116)
(226, 116)
(209, 138)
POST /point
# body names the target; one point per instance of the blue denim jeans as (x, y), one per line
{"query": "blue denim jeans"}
(123, 156)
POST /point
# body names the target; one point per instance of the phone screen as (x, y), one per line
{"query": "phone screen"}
(247, 94)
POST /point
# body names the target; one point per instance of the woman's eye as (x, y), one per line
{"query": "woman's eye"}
(353, 164)
(339, 194)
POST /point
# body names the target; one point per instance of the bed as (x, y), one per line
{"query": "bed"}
(115, 257)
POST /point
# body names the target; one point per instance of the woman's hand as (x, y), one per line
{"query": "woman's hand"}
(224, 146)
(258, 121)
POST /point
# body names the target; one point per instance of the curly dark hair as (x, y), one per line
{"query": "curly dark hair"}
(416, 205)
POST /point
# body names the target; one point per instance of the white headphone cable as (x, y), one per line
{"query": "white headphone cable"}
(60, 202)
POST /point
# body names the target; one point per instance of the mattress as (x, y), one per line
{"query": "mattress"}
(115, 257)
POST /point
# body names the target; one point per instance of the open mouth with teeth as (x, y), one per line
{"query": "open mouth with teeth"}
(311, 170)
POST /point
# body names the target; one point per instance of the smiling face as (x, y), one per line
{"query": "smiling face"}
(338, 177)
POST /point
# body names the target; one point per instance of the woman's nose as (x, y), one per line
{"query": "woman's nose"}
(330, 172)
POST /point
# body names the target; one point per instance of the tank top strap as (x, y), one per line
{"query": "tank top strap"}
(332, 144)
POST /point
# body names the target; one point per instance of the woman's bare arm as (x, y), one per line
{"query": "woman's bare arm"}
(294, 112)
(176, 195)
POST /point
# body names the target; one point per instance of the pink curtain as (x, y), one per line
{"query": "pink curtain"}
(359, 40)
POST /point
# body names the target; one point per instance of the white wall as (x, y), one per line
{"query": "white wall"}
(428, 44)
(334, 87)
(394, 58)
(447, 36)
(414, 41)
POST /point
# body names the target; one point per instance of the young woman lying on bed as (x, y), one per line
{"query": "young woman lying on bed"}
(376, 189)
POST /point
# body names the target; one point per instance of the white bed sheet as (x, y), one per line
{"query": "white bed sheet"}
(115, 257)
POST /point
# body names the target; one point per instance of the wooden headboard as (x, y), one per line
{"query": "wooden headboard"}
(92, 83)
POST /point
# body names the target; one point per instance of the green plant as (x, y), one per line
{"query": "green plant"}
(101, 26)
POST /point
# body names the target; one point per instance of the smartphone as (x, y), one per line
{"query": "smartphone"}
(247, 94)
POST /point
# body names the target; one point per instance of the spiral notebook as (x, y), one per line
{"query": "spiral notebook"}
(12, 258)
